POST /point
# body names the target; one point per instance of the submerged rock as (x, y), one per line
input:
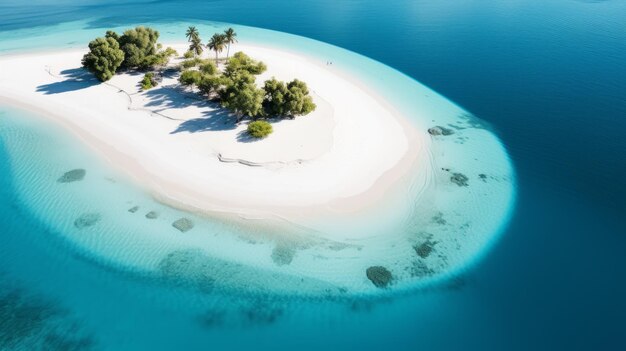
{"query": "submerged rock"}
(423, 250)
(379, 275)
(438, 218)
(152, 215)
(439, 130)
(282, 255)
(190, 267)
(72, 176)
(420, 269)
(183, 224)
(87, 220)
(261, 313)
(133, 209)
(459, 179)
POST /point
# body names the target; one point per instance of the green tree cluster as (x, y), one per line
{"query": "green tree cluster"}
(242, 62)
(104, 58)
(139, 46)
(241, 95)
(235, 87)
(135, 48)
(286, 100)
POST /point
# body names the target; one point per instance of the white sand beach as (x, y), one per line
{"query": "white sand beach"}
(187, 151)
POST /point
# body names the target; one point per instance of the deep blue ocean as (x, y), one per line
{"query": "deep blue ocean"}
(548, 75)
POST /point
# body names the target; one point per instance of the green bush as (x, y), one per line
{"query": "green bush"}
(242, 62)
(210, 84)
(208, 67)
(104, 57)
(148, 81)
(259, 129)
(189, 54)
(190, 63)
(190, 77)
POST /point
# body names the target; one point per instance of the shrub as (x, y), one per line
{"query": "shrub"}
(259, 129)
(148, 81)
(104, 58)
(189, 63)
(243, 62)
(189, 54)
(190, 77)
(208, 67)
(210, 84)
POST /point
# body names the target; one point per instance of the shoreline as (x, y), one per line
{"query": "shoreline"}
(174, 194)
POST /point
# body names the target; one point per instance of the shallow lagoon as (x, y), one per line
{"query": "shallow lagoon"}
(451, 209)
(521, 294)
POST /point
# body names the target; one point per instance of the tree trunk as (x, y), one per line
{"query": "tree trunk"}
(228, 51)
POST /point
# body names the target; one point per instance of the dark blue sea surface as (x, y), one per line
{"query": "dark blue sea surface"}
(550, 78)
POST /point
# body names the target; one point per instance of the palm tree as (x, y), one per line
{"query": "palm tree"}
(196, 46)
(217, 43)
(230, 36)
(192, 34)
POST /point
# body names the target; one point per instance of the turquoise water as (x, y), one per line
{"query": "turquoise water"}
(553, 281)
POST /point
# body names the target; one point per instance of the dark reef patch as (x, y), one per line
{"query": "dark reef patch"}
(133, 209)
(379, 275)
(87, 220)
(459, 179)
(190, 268)
(424, 249)
(183, 224)
(420, 269)
(72, 176)
(439, 130)
(283, 255)
(29, 322)
(438, 218)
(152, 215)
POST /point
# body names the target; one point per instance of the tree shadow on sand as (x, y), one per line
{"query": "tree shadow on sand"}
(75, 79)
(166, 97)
(217, 119)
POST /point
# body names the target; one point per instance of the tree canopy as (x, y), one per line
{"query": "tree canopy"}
(230, 37)
(139, 46)
(241, 95)
(217, 44)
(291, 99)
(243, 62)
(298, 101)
(104, 57)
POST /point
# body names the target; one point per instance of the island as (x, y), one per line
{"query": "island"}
(252, 160)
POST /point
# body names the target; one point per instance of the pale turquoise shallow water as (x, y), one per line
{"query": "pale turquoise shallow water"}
(245, 284)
